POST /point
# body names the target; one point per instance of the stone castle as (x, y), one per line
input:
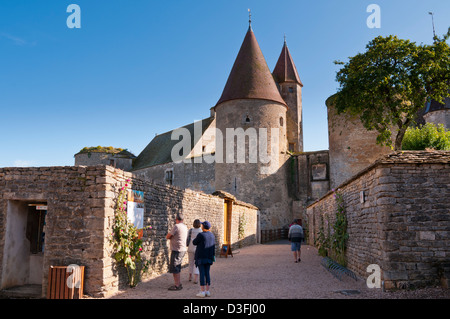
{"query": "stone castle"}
(397, 204)
(253, 99)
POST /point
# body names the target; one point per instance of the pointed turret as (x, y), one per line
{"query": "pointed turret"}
(286, 76)
(250, 77)
(252, 105)
(285, 70)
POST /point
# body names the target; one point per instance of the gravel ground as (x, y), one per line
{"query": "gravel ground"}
(269, 272)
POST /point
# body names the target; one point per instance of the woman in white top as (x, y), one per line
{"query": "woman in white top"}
(192, 234)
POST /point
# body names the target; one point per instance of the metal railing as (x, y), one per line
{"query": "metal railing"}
(268, 235)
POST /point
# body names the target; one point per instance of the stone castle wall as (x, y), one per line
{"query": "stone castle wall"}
(439, 117)
(247, 181)
(351, 147)
(398, 217)
(103, 158)
(163, 202)
(292, 95)
(195, 176)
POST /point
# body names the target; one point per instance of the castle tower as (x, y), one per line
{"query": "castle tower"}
(290, 87)
(251, 103)
(438, 113)
(352, 147)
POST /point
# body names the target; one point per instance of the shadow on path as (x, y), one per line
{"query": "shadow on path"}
(259, 272)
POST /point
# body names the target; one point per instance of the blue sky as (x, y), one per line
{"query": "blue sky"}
(139, 68)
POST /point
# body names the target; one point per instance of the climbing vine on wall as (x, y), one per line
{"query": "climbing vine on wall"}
(322, 239)
(340, 235)
(126, 242)
(241, 229)
(332, 238)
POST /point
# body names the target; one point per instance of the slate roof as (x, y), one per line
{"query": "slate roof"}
(436, 106)
(250, 77)
(416, 157)
(159, 150)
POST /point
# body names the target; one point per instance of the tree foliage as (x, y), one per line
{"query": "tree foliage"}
(427, 136)
(389, 83)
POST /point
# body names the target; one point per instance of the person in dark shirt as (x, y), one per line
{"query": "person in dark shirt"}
(204, 257)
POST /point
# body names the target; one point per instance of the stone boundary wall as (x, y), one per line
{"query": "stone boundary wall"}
(81, 202)
(162, 203)
(403, 225)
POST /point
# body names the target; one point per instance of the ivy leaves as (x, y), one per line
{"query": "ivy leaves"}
(389, 83)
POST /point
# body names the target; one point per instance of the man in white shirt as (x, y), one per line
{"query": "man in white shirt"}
(177, 237)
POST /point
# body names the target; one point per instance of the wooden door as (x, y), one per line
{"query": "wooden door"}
(227, 222)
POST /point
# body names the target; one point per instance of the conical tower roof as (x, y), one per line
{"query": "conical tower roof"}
(285, 70)
(250, 77)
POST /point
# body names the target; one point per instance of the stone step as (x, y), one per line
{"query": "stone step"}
(22, 292)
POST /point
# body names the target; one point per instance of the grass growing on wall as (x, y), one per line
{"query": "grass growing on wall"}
(101, 149)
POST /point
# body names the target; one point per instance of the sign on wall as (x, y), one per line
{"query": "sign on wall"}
(135, 209)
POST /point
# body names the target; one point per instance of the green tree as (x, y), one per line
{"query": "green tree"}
(427, 136)
(389, 83)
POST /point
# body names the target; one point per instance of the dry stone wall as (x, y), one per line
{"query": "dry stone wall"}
(398, 217)
(74, 230)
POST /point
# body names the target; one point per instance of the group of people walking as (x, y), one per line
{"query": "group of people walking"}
(199, 243)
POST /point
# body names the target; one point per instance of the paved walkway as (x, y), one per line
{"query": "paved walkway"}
(268, 272)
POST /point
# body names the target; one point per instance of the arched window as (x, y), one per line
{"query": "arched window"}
(246, 119)
(281, 121)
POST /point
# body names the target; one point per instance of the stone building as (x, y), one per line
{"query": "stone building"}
(351, 147)
(258, 105)
(261, 110)
(63, 215)
(438, 113)
(115, 157)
